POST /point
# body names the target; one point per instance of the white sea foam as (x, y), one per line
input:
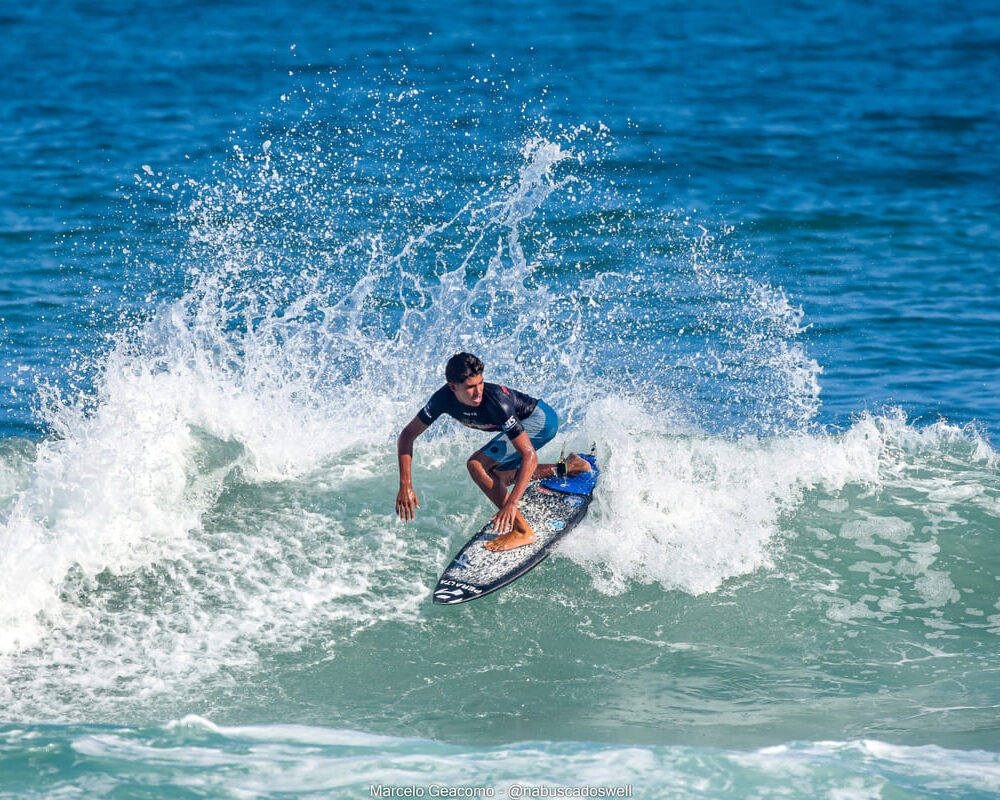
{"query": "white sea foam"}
(289, 759)
(688, 511)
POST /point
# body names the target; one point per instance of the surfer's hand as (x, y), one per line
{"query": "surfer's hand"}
(503, 520)
(406, 503)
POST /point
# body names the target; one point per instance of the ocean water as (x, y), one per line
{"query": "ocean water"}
(751, 254)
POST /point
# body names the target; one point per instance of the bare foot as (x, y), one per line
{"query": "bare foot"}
(519, 537)
(575, 465)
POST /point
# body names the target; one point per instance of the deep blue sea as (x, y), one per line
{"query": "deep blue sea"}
(750, 252)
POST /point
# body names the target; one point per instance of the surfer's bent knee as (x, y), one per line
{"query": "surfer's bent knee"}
(476, 466)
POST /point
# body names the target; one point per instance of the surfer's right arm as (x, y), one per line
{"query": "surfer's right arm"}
(406, 500)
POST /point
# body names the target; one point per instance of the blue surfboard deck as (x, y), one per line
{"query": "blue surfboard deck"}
(552, 506)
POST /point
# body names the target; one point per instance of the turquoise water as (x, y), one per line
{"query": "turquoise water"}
(193, 757)
(750, 258)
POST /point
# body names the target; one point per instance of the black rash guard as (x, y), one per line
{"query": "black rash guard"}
(502, 409)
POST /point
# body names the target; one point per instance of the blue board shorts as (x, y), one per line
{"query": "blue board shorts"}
(541, 426)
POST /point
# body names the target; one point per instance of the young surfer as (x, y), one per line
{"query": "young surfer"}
(524, 423)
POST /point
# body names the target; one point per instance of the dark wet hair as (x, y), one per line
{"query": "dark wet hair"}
(461, 367)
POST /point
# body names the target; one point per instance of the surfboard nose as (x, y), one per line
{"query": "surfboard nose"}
(450, 593)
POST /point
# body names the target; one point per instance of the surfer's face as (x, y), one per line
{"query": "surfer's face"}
(470, 391)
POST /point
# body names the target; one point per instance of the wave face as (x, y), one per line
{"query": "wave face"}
(779, 588)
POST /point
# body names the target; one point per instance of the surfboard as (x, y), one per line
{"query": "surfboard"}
(552, 506)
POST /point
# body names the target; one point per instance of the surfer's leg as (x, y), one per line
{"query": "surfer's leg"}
(494, 485)
(491, 482)
(574, 466)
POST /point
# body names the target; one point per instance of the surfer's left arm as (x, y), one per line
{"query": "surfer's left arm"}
(504, 520)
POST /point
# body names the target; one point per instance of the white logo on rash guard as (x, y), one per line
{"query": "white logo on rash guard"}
(510, 423)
